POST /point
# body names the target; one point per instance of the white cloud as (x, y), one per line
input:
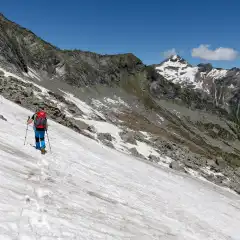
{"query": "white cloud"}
(170, 52)
(221, 53)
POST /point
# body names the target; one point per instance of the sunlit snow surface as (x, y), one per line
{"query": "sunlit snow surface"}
(84, 190)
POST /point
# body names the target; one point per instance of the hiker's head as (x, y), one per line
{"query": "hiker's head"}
(40, 108)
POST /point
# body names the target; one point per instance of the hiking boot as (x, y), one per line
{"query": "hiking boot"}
(43, 151)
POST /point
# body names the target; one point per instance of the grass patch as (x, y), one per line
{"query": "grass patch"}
(136, 84)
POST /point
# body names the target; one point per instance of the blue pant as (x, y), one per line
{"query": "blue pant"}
(40, 139)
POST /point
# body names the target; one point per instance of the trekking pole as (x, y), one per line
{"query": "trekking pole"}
(26, 131)
(49, 142)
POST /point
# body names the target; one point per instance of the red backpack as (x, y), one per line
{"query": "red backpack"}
(40, 120)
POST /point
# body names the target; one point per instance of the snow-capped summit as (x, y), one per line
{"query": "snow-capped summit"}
(203, 76)
(177, 58)
(178, 70)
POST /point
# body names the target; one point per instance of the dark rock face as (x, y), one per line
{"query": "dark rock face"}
(153, 158)
(3, 118)
(205, 67)
(18, 47)
(105, 136)
(106, 139)
(128, 137)
(21, 49)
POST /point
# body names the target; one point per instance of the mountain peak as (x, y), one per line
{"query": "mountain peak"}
(177, 58)
(173, 60)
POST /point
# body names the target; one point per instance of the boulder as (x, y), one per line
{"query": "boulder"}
(176, 166)
(135, 153)
(129, 137)
(104, 136)
(211, 163)
(234, 186)
(3, 118)
(108, 143)
(153, 158)
(91, 129)
(139, 137)
(220, 162)
(237, 171)
(28, 92)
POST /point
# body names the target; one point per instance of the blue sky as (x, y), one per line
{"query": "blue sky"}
(145, 28)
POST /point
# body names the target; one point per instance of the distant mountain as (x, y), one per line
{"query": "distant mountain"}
(203, 76)
(219, 86)
(186, 114)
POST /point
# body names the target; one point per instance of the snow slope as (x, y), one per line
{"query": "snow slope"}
(94, 112)
(84, 190)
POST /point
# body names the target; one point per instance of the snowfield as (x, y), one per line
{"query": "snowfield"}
(84, 190)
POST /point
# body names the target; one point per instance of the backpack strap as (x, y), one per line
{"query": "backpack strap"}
(40, 120)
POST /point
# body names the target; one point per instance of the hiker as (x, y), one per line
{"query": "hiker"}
(40, 126)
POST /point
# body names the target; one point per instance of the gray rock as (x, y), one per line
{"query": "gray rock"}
(211, 163)
(72, 110)
(153, 158)
(129, 137)
(237, 171)
(237, 189)
(219, 180)
(2, 73)
(104, 136)
(190, 164)
(220, 162)
(91, 129)
(3, 118)
(176, 166)
(135, 153)
(85, 134)
(108, 143)
(139, 137)
(28, 92)
(163, 145)
(168, 146)
(209, 177)
(18, 100)
(234, 186)
(81, 124)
